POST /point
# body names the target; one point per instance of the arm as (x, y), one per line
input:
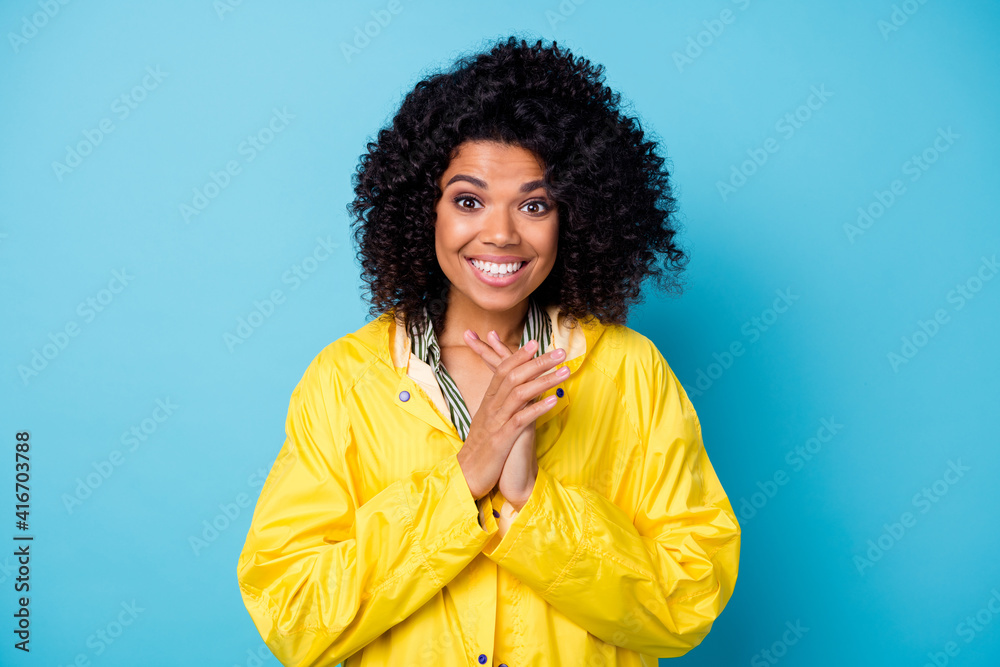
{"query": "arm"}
(322, 576)
(653, 585)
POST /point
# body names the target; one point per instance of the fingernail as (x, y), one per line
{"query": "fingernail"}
(559, 354)
(562, 372)
(472, 334)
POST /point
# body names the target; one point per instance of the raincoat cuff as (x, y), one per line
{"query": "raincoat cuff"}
(507, 516)
(486, 519)
(445, 510)
(501, 543)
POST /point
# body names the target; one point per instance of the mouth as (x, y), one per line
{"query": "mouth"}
(498, 275)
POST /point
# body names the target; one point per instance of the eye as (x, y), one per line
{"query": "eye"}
(539, 202)
(462, 198)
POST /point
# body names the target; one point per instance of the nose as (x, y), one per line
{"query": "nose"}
(499, 228)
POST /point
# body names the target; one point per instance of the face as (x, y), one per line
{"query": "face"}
(494, 213)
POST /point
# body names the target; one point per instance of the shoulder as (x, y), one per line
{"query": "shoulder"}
(645, 381)
(348, 359)
(622, 349)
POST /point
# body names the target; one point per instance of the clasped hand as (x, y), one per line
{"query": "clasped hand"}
(500, 447)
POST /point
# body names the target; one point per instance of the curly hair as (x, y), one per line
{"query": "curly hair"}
(615, 205)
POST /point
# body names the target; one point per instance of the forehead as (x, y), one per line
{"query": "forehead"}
(490, 159)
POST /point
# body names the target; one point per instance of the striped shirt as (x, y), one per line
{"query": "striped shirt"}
(425, 347)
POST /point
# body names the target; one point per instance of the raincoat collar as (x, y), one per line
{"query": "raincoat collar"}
(388, 339)
(574, 336)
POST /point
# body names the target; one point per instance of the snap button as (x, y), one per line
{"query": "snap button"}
(404, 396)
(482, 658)
(503, 664)
(560, 392)
(495, 513)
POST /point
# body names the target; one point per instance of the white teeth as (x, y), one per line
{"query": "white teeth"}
(497, 269)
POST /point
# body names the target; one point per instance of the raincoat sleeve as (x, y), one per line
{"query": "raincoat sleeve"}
(322, 576)
(653, 584)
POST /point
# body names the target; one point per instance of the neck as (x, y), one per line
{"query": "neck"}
(463, 314)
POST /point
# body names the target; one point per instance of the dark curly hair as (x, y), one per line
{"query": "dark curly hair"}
(616, 211)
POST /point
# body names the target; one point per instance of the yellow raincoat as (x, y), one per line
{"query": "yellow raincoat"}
(366, 543)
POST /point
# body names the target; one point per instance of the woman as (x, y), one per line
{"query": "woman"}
(496, 470)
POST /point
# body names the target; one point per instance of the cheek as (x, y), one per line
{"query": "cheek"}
(450, 238)
(453, 233)
(445, 255)
(444, 232)
(550, 243)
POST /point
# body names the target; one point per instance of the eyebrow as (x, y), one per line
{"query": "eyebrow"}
(479, 183)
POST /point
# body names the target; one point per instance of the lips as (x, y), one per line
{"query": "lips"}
(499, 280)
(499, 259)
(505, 265)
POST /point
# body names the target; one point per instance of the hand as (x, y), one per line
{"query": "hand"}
(505, 411)
(520, 467)
(517, 478)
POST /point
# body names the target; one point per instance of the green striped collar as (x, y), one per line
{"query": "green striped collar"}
(425, 347)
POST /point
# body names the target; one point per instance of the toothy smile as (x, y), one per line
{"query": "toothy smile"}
(492, 269)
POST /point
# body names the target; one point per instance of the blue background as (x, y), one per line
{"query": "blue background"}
(820, 550)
